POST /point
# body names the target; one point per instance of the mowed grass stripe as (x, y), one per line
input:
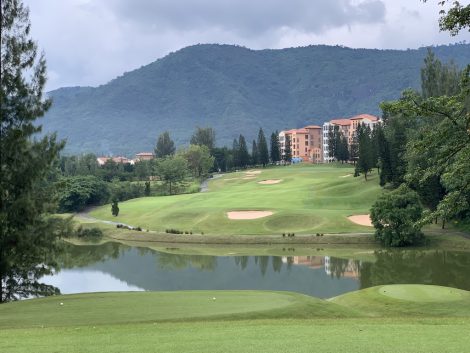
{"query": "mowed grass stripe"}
(310, 199)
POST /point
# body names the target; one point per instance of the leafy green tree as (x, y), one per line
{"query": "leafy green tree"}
(204, 137)
(28, 232)
(263, 152)
(199, 160)
(115, 208)
(77, 192)
(223, 159)
(254, 153)
(165, 146)
(172, 170)
(287, 157)
(454, 19)
(243, 155)
(275, 148)
(395, 216)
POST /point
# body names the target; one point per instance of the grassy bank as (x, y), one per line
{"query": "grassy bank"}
(308, 199)
(380, 319)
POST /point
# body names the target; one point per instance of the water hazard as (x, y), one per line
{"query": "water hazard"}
(116, 267)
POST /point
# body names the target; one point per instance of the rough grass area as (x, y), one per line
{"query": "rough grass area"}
(378, 319)
(310, 199)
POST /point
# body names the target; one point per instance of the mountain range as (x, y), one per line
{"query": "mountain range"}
(236, 91)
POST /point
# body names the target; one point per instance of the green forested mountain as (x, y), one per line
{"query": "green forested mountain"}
(234, 90)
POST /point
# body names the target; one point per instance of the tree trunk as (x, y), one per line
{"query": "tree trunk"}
(443, 223)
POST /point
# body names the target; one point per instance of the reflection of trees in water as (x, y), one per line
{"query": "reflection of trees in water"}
(176, 261)
(339, 266)
(84, 255)
(417, 266)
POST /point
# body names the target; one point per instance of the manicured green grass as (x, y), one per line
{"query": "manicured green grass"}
(241, 321)
(310, 199)
(408, 300)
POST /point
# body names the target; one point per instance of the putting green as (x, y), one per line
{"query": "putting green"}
(310, 199)
(422, 293)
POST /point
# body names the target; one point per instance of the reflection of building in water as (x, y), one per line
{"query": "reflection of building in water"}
(333, 266)
(342, 267)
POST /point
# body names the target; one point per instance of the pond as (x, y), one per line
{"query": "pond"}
(117, 267)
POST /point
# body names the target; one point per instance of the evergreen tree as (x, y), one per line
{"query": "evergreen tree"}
(165, 146)
(343, 151)
(332, 132)
(115, 208)
(275, 148)
(254, 153)
(383, 154)
(263, 152)
(243, 155)
(364, 162)
(28, 232)
(438, 79)
(236, 153)
(287, 157)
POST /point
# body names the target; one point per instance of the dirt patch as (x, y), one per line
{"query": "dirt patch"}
(345, 176)
(270, 181)
(362, 220)
(243, 215)
(249, 177)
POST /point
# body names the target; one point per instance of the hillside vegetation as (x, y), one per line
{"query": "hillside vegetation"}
(235, 90)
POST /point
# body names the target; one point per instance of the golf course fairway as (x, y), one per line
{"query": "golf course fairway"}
(307, 199)
(241, 321)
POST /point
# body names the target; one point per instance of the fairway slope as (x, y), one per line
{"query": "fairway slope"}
(310, 199)
(134, 307)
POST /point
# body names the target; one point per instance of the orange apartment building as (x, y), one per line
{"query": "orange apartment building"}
(306, 143)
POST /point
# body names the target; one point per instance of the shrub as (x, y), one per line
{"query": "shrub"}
(395, 216)
(88, 232)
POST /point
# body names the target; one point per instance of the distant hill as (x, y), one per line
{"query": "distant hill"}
(234, 90)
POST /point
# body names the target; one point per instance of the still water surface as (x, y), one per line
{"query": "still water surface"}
(116, 267)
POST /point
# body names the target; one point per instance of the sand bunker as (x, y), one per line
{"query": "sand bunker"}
(362, 220)
(240, 215)
(270, 181)
(345, 176)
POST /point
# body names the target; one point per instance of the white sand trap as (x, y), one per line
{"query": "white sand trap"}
(345, 176)
(270, 181)
(240, 215)
(361, 219)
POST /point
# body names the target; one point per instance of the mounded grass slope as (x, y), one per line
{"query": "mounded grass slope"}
(408, 300)
(310, 199)
(241, 321)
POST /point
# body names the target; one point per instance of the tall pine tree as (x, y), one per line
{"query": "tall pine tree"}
(28, 232)
(263, 152)
(275, 148)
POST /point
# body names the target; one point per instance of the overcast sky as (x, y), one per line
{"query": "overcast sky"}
(89, 42)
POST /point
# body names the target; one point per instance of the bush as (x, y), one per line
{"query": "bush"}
(395, 216)
(88, 232)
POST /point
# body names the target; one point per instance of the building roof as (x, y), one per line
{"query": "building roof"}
(365, 116)
(145, 154)
(343, 122)
(312, 127)
(300, 131)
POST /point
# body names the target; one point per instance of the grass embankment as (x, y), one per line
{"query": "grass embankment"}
(309, 199)
(400, 318)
